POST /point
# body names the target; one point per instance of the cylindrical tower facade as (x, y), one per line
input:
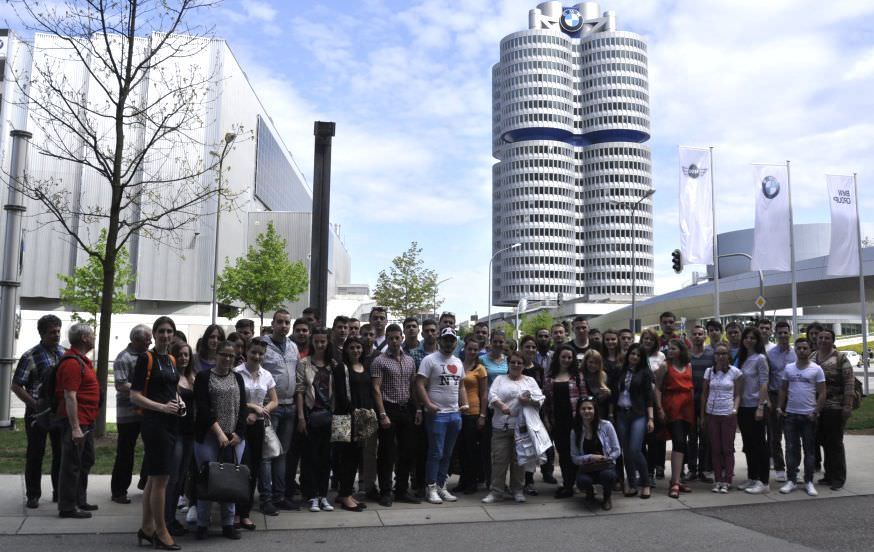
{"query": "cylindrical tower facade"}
(570, 115)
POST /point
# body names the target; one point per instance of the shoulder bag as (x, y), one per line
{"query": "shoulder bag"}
(271, 448)
(223, 481)
(341, 424)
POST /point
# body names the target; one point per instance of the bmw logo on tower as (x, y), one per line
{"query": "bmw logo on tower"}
(770, 187)
(571, 20)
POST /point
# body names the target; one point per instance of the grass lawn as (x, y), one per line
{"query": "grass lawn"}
(863, 417)
(13, 445)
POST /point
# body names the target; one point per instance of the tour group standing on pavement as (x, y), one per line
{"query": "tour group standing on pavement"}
(392, 412)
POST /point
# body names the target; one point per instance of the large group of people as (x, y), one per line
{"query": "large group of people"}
(401, 408)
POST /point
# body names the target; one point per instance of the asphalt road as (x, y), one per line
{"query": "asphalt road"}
(838, 524)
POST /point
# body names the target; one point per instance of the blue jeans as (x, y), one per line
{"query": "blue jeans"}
(800, 432)
(443, 429)
(283, 420)
(631, 430)
(208, 451)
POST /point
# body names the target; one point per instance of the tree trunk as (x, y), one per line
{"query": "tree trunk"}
(105, 337)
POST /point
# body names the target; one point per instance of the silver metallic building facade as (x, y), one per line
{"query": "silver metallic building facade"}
(570, 99)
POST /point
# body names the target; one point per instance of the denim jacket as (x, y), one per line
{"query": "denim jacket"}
(609, 442)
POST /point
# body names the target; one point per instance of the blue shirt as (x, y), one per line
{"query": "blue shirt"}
(33, 364)
(494, 369)
(779, 360)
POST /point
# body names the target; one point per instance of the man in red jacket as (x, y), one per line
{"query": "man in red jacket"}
(78, 396)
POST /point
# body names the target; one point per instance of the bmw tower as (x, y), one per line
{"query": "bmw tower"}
(570, 118)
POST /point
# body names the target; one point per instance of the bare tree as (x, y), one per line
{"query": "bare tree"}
(132, 116)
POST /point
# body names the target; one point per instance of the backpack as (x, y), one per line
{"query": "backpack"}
(858, 394)
(46, 416)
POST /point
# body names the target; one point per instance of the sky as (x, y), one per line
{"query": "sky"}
(409, 87)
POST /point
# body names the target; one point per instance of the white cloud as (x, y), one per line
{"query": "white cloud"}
(261, 11)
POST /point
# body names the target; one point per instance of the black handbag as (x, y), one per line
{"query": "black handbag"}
(223, 481)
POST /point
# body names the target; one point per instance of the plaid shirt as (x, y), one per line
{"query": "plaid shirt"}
(33, 364)
(397, 377)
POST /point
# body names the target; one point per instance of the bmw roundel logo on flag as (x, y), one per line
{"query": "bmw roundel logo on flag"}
(571, 20)
(770, 187)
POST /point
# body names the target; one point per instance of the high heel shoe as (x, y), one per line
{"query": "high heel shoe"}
(161, 545)
(142, 536)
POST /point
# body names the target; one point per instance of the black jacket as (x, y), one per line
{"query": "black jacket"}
(640, 390)
(204, 418)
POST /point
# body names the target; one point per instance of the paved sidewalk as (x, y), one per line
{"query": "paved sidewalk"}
(116, 518)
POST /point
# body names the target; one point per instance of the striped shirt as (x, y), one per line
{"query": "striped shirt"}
(32, 366)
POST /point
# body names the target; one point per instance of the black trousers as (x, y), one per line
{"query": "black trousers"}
(469, 450)
(561, 435)
(76, 462)
(36, 448)
(396, 449)
(755, 447)
(830, 432)
(348, 455)
(420, 455)
(123, 467)
(316, 468)
(252, 458)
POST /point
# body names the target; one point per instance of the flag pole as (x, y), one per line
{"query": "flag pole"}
(715, 243)
(862, 298)
(792, 254)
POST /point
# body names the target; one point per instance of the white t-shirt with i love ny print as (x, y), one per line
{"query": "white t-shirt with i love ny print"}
(444, 373)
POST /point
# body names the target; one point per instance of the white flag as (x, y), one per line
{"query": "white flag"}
(771, 243)
(843, 254)
(696, 206)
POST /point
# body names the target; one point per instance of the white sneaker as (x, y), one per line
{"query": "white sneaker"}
(716, 488)
(757, 487)
(493, 497)
(788, 487)
(810, 489)
(314, 505)
(780, 477)
(325, 505)
(743, 486)
(445, 494)
(431, 494)
(519, 497)
(724, 488)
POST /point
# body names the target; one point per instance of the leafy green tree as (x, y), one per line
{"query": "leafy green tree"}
(531, 323)
(408, 288)
(264, 279)
(83, 290)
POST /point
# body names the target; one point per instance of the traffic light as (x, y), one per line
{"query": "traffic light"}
(677, 261)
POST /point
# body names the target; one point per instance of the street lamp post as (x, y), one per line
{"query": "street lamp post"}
(634, 207)
(436, 289)
(229, 138)
(498, 252)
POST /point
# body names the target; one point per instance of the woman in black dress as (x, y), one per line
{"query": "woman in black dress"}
(360, 395)
(153, 389)
(183, 453)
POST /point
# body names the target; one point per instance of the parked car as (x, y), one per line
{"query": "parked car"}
(854, 357)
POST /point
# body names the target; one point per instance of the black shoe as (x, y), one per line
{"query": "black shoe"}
(824, 481)
(268, 509)
(88, 507)
(32, 503)
(74, 514)
(836, 486)
(229, 532)
(660, 472)
(201, 533)
(286, 504)
(356, 508)
(176, 529)
(121, 499)
(161, 545)
(407, 498)
(420, 493)
(469, 490)
(549, 478)
(386, 500)
(142, 536)
(372, 494)
(563, 492)
(607, 504)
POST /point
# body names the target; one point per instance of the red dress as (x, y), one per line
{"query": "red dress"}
(678, 399)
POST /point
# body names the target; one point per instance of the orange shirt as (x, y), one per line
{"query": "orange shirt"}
(471, 387)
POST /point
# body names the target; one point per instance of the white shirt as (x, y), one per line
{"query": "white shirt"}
(720, 400)
(507, 390)
(257, 385)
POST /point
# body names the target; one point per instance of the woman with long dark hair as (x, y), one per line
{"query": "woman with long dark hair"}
(206, 347)
(675, 405)
(314, 399)
(655, 444)
(594, 450)
(219, 427)
(153, 389)
(261, 400)
(752, 415)
(353, 388)
(183, 452)
(612, 360)
(473, 420)
(633, 411)
(562, 389)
